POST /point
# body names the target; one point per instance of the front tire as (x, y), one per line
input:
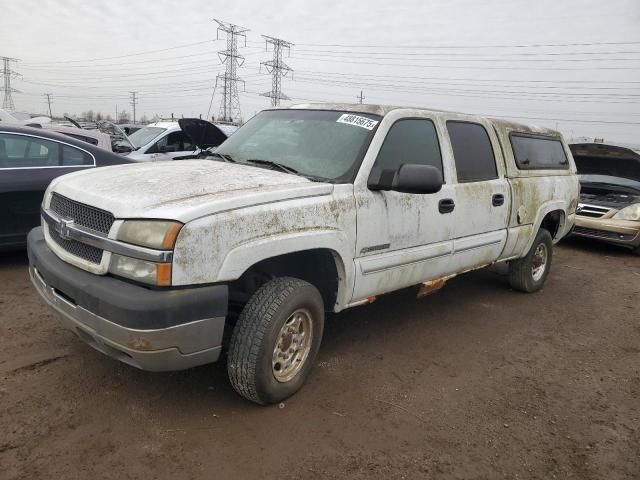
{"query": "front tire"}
(529, 273)
(276, 340)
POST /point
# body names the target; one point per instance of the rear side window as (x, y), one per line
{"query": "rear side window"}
(533, 152)
(92, 141)
(472, 152)
(410, 141)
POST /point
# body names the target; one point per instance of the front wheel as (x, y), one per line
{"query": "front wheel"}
(276, 340)
(529, 273)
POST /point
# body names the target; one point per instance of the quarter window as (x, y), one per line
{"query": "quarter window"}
(412, 141)
(533, 152)
(73, 157)
(472, 152)
(21, 151)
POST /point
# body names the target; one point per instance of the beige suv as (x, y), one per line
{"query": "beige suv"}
(609, 208)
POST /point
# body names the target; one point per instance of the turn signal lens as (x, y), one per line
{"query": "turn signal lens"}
(151, 273)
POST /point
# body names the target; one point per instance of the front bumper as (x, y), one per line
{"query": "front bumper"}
(618, 232)
(156, 330)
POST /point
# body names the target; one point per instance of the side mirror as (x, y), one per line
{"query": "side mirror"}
(409, 178)
(121, 148)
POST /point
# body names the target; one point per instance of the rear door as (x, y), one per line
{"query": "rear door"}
(481, 190)
(28, 163)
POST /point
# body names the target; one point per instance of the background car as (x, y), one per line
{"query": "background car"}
(609, 208)
(29, 159)
(167, 140)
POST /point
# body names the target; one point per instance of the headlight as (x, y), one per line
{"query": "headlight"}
(140, 270)
(632, 212)
(158, 234)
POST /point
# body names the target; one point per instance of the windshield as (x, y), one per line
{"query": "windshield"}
(145, 135)
(610, 180)
(318, 144)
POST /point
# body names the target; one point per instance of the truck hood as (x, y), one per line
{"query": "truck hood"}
(183, 190)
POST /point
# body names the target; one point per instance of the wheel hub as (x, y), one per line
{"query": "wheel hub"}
(539, 262)
(293, 345)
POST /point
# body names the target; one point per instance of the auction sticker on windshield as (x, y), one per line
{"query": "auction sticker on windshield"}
(358, 121)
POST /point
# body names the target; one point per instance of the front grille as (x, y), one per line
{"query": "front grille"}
(593, 211)
(81, 214)
(84, 215)
(82, 250)
(602, 234)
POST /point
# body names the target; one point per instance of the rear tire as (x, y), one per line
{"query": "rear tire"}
(276, 340)
(529, 273)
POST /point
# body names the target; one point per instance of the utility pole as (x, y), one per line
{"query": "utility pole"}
(7, 73)
(230, 105)
(48, 95)
(134, 101)
(360, 97)
(277, 68)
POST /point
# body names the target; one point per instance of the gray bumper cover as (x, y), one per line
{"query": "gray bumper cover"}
(181, 342)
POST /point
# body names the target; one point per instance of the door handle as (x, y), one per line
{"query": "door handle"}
(497, 200)
(446, 205)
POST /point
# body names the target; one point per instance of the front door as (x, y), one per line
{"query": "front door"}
(403, 239)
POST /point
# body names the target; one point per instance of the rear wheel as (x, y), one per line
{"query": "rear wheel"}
(276, 340)
(529, 273)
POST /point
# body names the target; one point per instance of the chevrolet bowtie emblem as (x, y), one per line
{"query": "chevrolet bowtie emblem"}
(63, 228)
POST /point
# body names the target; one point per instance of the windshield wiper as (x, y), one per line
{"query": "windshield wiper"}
(224, 156)
(274, 165)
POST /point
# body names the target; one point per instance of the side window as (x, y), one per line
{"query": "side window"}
(92, 141)
(410, 141)
(73, 157)
(180, 141)
(533, 152)
(21, 151)
(472, 152)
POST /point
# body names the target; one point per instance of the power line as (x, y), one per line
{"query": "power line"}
(530, 45)
(277, 68)
(230, 105)
(465, 67)
(7, 73)
(125, 56)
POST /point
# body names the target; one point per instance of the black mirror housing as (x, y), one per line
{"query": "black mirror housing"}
(415, 178)
(410, 178)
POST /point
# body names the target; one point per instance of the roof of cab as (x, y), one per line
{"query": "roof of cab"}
(383, 110)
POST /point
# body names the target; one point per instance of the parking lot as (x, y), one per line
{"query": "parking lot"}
(476, 381)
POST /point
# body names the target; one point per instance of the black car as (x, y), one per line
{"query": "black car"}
(29, 159)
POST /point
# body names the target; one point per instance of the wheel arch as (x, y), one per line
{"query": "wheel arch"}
(316, 258)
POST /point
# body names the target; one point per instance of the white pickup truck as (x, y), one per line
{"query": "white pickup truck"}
(303, 210)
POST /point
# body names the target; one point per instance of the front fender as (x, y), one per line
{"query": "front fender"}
(241, 258)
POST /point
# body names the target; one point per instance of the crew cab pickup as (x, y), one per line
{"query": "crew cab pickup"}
(303, 210)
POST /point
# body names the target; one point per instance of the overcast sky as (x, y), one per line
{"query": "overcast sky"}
(506, 58)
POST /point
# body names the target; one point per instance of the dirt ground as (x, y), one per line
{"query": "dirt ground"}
(475, 382)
